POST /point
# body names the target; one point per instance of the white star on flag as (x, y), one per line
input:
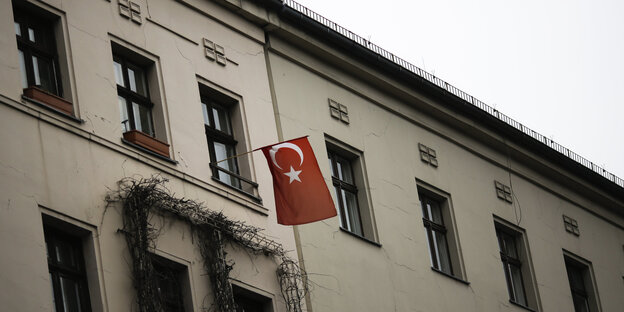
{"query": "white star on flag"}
(293, 175)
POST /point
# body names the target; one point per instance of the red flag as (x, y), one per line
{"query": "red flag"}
(301, 195)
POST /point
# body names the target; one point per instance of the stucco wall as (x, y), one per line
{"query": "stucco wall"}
(63, 167)
(354, 275)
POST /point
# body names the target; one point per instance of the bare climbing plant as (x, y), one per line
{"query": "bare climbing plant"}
(144, 198)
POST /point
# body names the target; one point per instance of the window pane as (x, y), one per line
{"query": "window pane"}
(118, 74)
(353, 213)
(442, 252)
(36, 69)
(22, 64)
(580, 303)
(64, 254)
(575, 276)
(221, 120)
(142, 118)
(70, 294)
(136, 80)
(346, 174)
(430, 249)
(31, 34)
(123, 114)
(18, 30)
(339, 209)
(223, 151)
(510, 246)
(516, 283)
(205, 114)
(53, 297)
(44, 74)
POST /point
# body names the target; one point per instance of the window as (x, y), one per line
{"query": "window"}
(141, 106)
(38, 59)
(133, 96)
(346, 193)
(67, 271)
(221, 142)
(581, 284)
(514, 254)
(224, 124)
(42, 72)
(169, 283)
(248, 301)
(352, 201)
(440, 231)
(512, 266)
(435, 231)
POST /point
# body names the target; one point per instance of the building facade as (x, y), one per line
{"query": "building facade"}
(444, 204)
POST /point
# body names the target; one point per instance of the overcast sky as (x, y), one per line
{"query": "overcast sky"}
(555, 66)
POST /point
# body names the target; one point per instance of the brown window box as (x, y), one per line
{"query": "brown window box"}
(144, 140)
(50, 99)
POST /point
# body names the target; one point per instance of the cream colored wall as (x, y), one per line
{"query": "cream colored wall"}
(54, 165)
(351, 274)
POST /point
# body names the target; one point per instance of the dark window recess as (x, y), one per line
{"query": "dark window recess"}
(133, 96)
(435, 231)
(512, 265)
(38, 58)
(248, 301)
(346, 193)
(67, 271)
(578, 278)
(168, 277)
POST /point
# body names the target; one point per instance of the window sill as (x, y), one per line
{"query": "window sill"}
(451, 276)
(522, 306)
(360, 237)
(150, 152)
(47, 107)
(141, 139)
(255, 198)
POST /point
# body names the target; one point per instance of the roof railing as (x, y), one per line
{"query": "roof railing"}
(455, 91)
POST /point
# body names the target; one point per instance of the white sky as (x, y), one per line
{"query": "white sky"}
(556, 66)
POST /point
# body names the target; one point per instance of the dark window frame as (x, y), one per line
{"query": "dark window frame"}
(584, 274)
(250, 301)
(214, 135)
(431, 226)
(131, 96)
(169, 272)
(347, 187)
(508, 261)
(57, 269)
(45, 50)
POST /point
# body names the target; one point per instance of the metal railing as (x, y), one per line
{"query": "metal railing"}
(455, 91)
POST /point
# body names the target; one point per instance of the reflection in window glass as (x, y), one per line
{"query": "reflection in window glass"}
(205, 114)
(118, 74)
(18, 30)
(123, 111)
(31, 34)
(22, 65)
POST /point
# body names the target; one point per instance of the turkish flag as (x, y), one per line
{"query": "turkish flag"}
(301, 195)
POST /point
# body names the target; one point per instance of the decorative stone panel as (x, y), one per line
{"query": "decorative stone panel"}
(571, 225)
(428, 155)
(338, 111)
(503, 192)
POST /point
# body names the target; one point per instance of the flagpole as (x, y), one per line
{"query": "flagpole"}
(257, 149)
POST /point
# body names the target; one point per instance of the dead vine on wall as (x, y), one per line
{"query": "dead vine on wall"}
(144, 197)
